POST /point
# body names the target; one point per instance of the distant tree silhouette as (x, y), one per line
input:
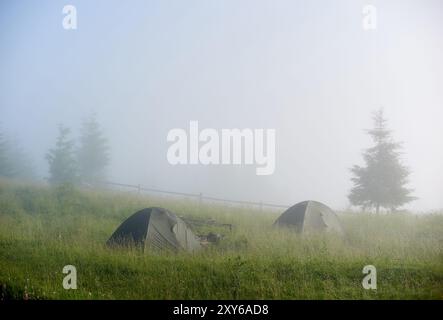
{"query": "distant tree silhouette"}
(6, 165)
(14, 162)
(381, 183)
(22, 164)
(93, 156)
(61, 159)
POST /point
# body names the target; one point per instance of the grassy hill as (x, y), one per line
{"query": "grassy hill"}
(44, 229)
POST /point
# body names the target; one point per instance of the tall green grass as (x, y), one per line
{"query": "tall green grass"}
(43, 229)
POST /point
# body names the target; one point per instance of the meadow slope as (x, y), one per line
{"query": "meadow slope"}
(43, 229)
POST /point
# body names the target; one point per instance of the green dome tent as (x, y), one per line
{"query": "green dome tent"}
(155, 228)
(309, 216)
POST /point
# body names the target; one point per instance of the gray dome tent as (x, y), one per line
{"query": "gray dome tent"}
(155, 228)
(310, 216)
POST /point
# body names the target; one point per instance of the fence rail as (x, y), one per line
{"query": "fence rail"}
(199, 196)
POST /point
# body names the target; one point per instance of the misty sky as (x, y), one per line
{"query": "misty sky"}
(304, 68)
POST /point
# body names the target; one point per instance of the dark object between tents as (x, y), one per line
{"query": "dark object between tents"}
(155, 228)
(309, 216)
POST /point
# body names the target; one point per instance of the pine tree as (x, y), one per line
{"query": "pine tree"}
(381, 183)
(93, 156)
(14, 162)
(61, 160)
(21, 162)
(6, 165)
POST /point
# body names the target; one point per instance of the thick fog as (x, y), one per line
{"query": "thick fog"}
(307, 69)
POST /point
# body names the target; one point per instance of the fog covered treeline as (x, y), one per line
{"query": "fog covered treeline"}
(75, 160)
(81, 161)
(14, 162)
